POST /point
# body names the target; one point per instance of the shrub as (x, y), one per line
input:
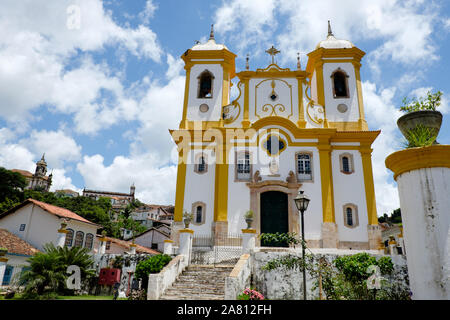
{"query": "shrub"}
(431, 102)
(279, 239)
(151, 265)
(420, 136)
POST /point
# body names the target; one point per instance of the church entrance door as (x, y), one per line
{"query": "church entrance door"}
(274, 215)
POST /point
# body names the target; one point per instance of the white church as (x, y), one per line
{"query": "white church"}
(287, 130)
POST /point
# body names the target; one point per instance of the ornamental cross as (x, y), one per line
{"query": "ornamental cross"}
(272, 51)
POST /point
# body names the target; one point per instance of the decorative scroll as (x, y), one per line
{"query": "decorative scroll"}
(276, 109)
(314, 110)
(232, 111)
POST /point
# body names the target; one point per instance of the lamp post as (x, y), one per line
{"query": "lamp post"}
(301, 201)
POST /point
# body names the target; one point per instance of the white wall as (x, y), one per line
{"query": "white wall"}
(214, 103)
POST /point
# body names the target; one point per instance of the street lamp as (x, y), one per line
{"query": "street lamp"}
(301, 201)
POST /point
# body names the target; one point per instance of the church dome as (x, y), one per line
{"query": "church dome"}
(332, 43)
(210, 45)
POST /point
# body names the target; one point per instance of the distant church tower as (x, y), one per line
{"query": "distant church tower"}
(287, 130)
(39, 179)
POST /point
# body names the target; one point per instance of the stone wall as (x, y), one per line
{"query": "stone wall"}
(283, 284)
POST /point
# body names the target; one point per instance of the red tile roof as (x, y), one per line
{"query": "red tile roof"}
(57, 211)
(126, 244)
(15, 245)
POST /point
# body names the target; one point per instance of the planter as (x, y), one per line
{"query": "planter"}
(186, 223)
(3, 252)
(249, 222)
(427, 118)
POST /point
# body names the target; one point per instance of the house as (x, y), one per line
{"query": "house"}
(38, 180)
(148, 213)
(288, 130)
(15, 260)
(119, 200)
(66, 193)
(38, 223)
(154, 237)
(117, 246)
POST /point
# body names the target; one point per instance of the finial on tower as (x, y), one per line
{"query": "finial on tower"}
(330, 33)
(211, 34)
(43, 156)
(246, 62)
(272, 51)
(298, 61)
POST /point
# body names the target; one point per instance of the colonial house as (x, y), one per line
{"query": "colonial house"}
(117, 246)
(148, 214)
(287, 130)
(38, 223)
(154, 238)
(119, 200)
(38, 179)
(14, 262)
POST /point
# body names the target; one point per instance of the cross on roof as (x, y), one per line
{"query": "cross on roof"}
(272, 51)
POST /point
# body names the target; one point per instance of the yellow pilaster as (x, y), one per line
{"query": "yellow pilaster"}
(362, 123)
(221, 185)
(183, 124)
(366, 156)
(181, 186)
(246, 122)
(326, 180)
(301, 123)
(321, 90)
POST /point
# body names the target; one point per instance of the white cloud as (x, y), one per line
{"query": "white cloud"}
(154, 184)
(60, 181)
(58, 147)
(37, 53)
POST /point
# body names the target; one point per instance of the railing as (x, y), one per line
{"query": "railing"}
(223, 249)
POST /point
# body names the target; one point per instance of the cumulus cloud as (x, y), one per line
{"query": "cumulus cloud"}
(37, 52)
(154, 184)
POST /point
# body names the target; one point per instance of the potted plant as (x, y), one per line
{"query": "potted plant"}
(248, 216)
(421, 123)
(187, 218)
(3, 251)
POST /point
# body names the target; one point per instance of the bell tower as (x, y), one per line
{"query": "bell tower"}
(336, 83)
(209, 69)
(41, 167)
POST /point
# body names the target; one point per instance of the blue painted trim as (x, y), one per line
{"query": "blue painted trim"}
(18, 254)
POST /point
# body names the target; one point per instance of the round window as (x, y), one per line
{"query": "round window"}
(342, 108)
(204, 107)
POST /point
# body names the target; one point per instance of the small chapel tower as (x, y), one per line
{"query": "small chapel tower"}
(41, 167)
(336, 83)
(209, 69)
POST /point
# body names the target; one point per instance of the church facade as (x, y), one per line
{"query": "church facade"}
(39, 180)
(287, 130)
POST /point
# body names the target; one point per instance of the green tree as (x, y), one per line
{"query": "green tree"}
(11, 188)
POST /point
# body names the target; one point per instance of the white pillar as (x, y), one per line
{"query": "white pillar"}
(102, 248)
(185, 249)
(133, 248)
(423, 176)
(248, 240)
(168, 246)
(3, 262)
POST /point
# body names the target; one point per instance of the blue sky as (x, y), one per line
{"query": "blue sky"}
(98, 94)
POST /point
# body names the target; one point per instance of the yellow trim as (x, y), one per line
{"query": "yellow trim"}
(246, 122)
(168, 241)
(362, 124)
(183, 123)
(4, 259)
(248, 231)
(186, 231)
(326, 180)
(133, 245)
(301, 123)
(434, 156)
(347, 125)
(366, 157)
(63, 231)
(221, 192)
(181, 186)
(103, 239)
(269, 134)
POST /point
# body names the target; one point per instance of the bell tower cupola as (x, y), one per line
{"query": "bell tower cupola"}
(336, 83)
(209, 69)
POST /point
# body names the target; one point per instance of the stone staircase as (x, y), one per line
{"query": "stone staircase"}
(199, 282)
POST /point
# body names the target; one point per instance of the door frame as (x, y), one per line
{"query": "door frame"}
(290, 188)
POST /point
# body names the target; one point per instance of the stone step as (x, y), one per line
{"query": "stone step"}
(192, 297)
(194, 291)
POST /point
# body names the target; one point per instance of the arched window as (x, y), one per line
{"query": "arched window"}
(89, 241)
(346, 163)
(303, 166)
(69, 238)
(340, 84)
(351, 219)
(79, 239)
(243, 166)
(201, 165)
(205, 84)
(198, 214)
(199, 211)
(349, 216)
